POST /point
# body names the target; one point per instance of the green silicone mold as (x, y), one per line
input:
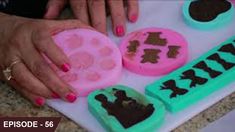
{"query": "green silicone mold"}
(112, 124)
(192, 82)
(220, 20)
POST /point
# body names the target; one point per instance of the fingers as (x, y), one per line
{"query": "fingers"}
(60, 25)
(54, 8)
(133, 10)
(44, 43)
(46, 75)
(29, 82)
(98, 15)
(35, 99)
(118, 16)
(80, 10)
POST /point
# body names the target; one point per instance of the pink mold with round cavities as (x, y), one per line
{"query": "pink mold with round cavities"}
(95, 60)
(156, 42)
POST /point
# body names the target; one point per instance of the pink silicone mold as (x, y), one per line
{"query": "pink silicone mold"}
(153, 51)
(95, 60)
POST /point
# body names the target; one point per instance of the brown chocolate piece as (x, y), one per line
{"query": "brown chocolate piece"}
(150, 55)
(133, 45)
(202, 65)
(125, 109)
(171, 85)
(173, 51)
(229, 48)
(224, 63)
(190, 74)
(207, 10)
(154, 39)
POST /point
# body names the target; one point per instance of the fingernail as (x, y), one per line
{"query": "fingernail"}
(71, 97)
(119, 30)
(65, 67)
(40, 101)
(55, 95)
(133, 18)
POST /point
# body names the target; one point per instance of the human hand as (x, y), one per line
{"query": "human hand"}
(26, 42)
(96, 9)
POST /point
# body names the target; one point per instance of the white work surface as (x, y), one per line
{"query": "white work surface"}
(165, 14)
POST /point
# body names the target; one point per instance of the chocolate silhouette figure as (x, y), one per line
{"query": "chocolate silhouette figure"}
(173, 51)
(150, 55)
(217, 58)
(190, 74)
(207, 10)
(171, 85)
(202, 65)
(126, 110)
(133, 46)
(154, 39)
(229, 48)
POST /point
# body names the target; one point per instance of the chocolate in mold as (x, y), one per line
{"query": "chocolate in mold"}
(190, 74)
(202, 65)
(229, 48)
(133, 45)
(226, 65)
(173, 51)
(171, 85)
(208, 10)
(150, 55)
(125, 109)
(155, 39)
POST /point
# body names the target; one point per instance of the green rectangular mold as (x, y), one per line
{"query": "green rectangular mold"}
(194, 94)
(111, 124)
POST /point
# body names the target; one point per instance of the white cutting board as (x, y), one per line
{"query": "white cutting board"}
(165, 14)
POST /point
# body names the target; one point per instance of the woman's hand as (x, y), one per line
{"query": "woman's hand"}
(27, 40)
(82, 9)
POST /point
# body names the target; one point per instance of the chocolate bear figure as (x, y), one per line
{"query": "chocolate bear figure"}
(150, 55)
(133, 46)
(190, 74)
(207, 10)
(154, 39)
(171, 85)
(126, 110)
(173, 51)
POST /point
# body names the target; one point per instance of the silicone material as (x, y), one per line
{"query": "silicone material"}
(111, 124)
(95, 60)
(153, 51)
(221, 20)
(197, 79)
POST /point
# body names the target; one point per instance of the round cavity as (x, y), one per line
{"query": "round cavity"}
(95, 60)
